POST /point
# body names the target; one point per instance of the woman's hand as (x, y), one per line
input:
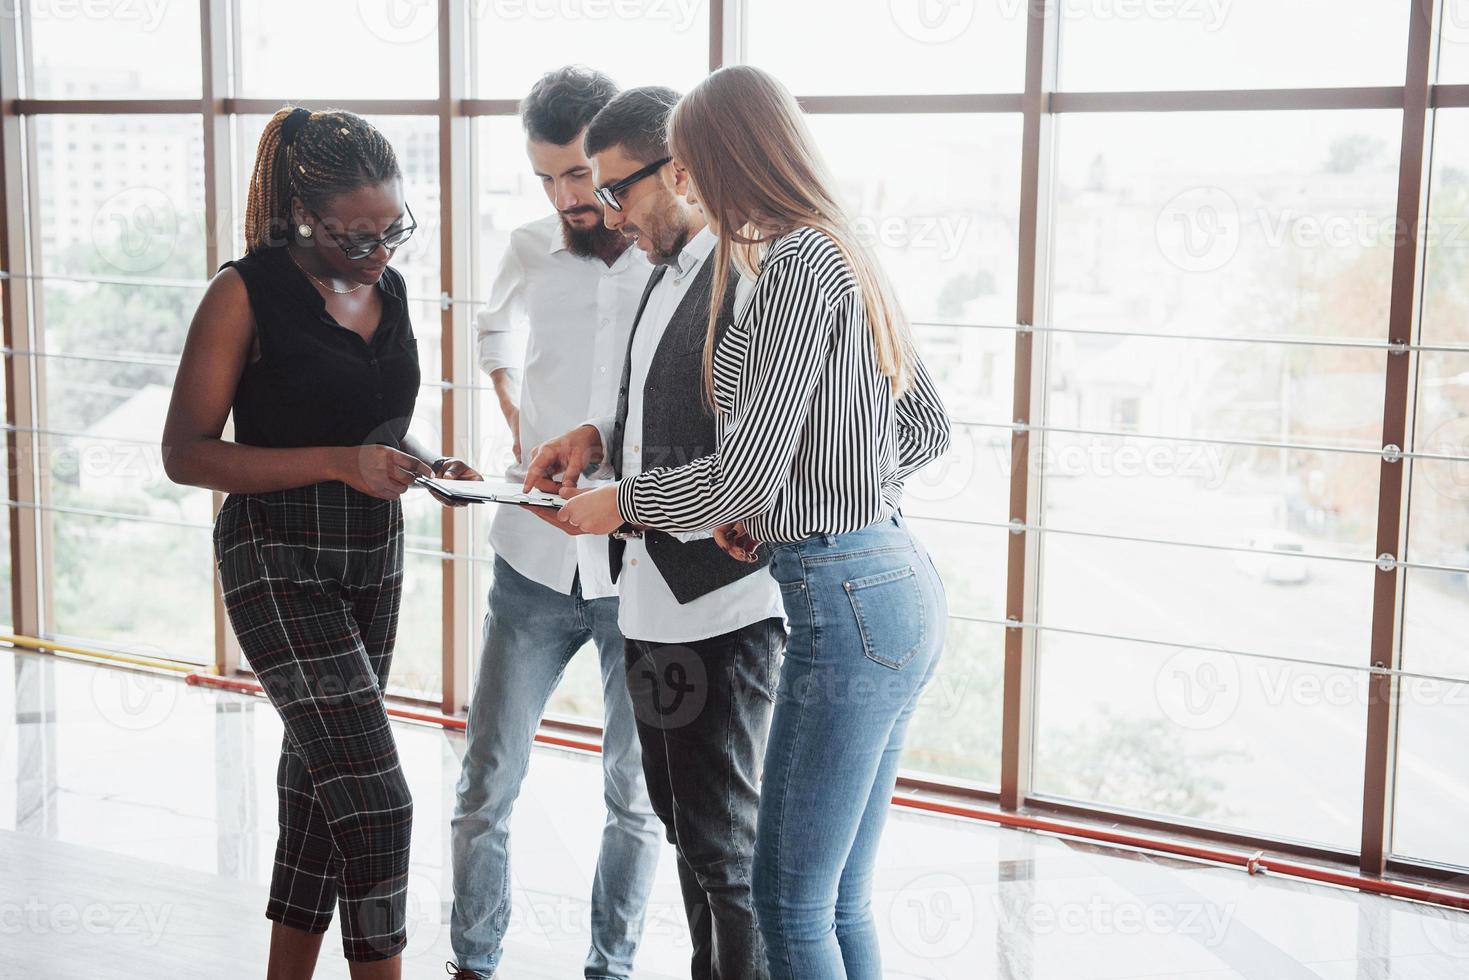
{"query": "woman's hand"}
(455, 468)
(735, 539)
(591, 511)
(379, 471)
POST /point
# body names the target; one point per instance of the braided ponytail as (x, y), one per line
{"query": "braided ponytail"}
(314, 156)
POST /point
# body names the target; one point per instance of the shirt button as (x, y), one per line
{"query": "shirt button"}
(378, 396)
(633, 561)
(637, 449)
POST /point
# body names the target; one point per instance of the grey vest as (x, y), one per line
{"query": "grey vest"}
(677, 429)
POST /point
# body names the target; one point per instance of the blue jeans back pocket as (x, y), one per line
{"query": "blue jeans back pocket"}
(889, 610)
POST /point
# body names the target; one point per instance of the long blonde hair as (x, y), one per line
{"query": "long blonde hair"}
(757, 174)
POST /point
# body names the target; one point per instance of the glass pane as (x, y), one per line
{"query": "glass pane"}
(955, 732)
(636, 42)
(1250, 745)
(890, 46)
(1227, 224)
(1217, 493)
(1214, 44)
(1453, 34)
(144, 587)
(375, 49)
(937, 197)
(121, 196)
(418, 657)
(113, 50)
(7, 614)
(1213, 225)
(1432, 780)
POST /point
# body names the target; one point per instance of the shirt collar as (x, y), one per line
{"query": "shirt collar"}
(558, 244)
(558, 237)
(694, 252)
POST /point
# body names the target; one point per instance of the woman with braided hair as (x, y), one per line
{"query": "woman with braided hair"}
(307, 340)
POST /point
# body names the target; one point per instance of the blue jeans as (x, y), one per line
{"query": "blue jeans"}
(530, 634)
(867, 615)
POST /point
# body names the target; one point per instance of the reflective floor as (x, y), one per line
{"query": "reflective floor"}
(137, 823)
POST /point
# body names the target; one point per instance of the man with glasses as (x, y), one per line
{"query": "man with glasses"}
(704, 630)
(576, 285)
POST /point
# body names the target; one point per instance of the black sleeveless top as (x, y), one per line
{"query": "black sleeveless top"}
(318, 383)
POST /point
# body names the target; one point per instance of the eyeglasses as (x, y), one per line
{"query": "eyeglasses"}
(607, 194)
(357, 250)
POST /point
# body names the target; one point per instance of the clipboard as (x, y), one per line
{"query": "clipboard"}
(479, 491)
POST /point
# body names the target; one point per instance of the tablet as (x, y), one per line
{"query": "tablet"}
(480, 491)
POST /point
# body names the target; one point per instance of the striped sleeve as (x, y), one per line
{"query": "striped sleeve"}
(922, 423)
(790, 336)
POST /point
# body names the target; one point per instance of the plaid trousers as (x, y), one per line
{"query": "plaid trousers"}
(312, 580)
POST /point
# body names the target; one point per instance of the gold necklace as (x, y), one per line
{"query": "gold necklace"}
(321, 282)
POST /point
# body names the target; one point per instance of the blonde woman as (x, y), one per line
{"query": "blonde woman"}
(822, 409)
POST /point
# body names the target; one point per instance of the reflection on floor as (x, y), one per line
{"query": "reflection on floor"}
(137, 823)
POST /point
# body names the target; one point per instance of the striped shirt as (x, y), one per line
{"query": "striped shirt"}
(811, 439)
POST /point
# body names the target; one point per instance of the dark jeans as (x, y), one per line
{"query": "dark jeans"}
(703, 715)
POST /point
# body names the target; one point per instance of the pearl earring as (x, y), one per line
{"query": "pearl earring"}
(304, 230)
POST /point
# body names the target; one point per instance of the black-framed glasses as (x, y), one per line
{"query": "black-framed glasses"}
(357, 250)
(607, 193)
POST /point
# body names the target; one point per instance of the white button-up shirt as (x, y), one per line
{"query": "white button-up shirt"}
(579, 311)
(647, 609)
